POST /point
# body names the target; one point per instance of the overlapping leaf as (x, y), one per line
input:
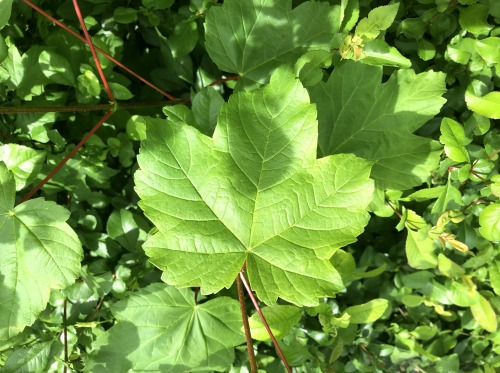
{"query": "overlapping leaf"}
(255, 193)
(39, 252)
(162, 329)
(252, 37)
(358, 114)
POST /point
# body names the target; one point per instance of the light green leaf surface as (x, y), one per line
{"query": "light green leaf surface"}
(254, 193)
(162, 329)
(23, 162)
(367, 312)
(267, 33)
(487, 105)
(281, 319)
(454, 140)
(40, 252)
(484, 314)
(473, 18)
(127, 228)
(358, 114)
(378, 53)
(489, 221)
(379, 19)
(5, 10)
(420, 250)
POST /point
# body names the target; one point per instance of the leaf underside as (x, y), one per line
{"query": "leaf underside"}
(253, 193)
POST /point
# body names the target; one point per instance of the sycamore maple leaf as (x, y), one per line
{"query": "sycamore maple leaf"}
(253, 193)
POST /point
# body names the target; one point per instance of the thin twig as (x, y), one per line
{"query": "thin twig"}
(81, 108)
(248, 335)
(108, 56)
(67, 158)
(92, 50)
(264, 321)
(223, 80)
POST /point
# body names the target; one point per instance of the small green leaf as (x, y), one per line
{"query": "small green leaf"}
(454, 140)
(484, 314)
(420, 250)
(378, 53)
(124, 15)
(309, 67)
(489, 221)
(379, 19)
(494, 271)
(367, 312)
(127, 228)
(184, 38)
(281, 320)
(120, 92)
(450, 199)
(426, 50)
(136, 128)
(56, 68)
(489, 49)
(23, 162)
(448, 267)
(5, 10)
(157, 4)
(487, 105)
(473, 18)
(206, 107)
(4, 50)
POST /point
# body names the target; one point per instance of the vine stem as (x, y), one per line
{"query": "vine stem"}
(264, 321)
(80, 108)
(67, 158)
(108, 56)
(248, 335)
(92, 50)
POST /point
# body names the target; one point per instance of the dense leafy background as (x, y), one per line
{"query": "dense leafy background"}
(410, 89)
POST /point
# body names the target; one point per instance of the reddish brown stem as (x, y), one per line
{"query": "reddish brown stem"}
(118, 63)
(222, 80)
(251, 355)
(67, 158)
(264, 321)
(92, 50)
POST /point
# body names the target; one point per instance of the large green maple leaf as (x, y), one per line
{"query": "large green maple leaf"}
(252, 37)
(359, 114)
(253, 193)
(39, 252)
(162, 329)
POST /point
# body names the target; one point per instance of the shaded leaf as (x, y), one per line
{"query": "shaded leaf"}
(357, 114)
(176, 334)
(246, 48)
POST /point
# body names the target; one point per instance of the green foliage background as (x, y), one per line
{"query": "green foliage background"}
(380, 256)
